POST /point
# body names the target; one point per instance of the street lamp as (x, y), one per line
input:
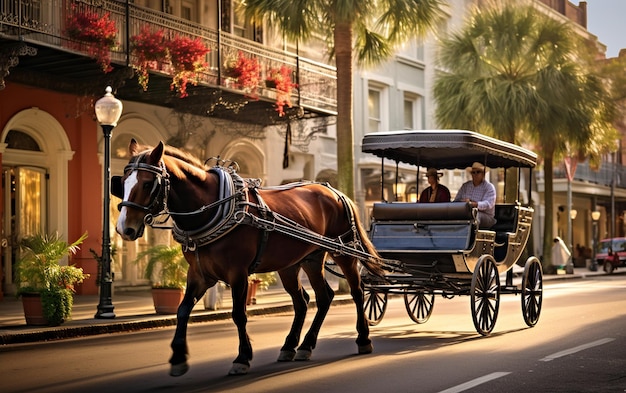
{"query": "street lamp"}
(569, 268)
(108, 111)
(595, 216)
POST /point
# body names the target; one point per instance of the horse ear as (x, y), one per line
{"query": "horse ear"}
(157, 152)
(133, 147)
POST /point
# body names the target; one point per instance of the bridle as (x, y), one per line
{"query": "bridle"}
(158, 194)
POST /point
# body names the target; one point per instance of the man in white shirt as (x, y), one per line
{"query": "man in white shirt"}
(480, 194)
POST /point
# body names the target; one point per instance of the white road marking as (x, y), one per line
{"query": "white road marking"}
(475, 382)
(576, 349)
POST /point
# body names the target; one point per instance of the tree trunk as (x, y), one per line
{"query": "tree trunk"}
(345, 131)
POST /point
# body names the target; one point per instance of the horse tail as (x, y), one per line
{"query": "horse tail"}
(373, 264)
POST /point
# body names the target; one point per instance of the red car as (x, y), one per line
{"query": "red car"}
(611, 253)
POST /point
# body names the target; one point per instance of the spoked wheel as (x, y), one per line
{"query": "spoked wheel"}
(375, 305)
(419, 305)
(485, 295)
(532, 291)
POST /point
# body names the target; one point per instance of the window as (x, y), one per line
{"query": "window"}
(21, 140)
(187, 10)
(374, 110)
(412, 112)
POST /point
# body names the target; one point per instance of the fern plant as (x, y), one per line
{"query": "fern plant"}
(166, 267)
(38, 271)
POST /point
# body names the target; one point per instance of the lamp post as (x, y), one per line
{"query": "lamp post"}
(569, 267)
(595, 216)
(108, 111)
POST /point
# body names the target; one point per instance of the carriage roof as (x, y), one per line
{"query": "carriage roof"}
(447, 149)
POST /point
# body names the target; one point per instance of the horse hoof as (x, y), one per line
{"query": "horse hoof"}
(286, 356)
(303, 354)
(364, 349)
(239, 369)
(179, 369)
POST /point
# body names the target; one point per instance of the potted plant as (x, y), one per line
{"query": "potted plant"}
(259, 281)
(97, 33)
(244, 71)
(45, 284)
(280, 79)
(149, 51)
(166, 268)
(187, 57)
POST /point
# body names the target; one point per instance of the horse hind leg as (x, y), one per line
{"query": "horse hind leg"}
(300, 299)
(324, 294)
(350, 270)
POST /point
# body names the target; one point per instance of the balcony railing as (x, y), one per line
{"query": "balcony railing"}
(601, 176)
(43, 22)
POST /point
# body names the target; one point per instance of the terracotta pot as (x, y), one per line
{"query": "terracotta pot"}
(33, 310)
(253, 285)
(167, 300)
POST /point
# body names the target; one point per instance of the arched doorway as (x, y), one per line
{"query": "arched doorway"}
(35, 151)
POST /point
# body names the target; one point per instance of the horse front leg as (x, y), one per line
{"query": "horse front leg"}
(241, 364)
(178, 361)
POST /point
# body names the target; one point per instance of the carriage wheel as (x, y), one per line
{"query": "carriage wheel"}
(419, 305)
(532, 291)
(375, 305)
(485, 295)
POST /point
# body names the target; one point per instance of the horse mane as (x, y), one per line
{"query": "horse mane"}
(183, 156)
(175, 153)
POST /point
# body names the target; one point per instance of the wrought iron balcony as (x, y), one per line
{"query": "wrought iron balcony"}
(37, 50)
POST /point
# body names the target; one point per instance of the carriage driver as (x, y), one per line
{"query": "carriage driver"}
(480, 194)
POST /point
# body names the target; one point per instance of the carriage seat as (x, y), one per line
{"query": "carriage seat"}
(506, 216)
(445, 211)
(422, 227)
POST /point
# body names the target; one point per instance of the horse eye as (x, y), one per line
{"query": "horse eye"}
(147, 186)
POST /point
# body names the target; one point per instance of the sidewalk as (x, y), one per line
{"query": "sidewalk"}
(134, 311)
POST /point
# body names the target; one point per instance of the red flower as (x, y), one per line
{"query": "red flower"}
(187, 56)
(150, 50)
(280, 79)
(246, 71)
(97, 31)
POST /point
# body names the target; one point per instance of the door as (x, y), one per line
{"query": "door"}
(24, 189)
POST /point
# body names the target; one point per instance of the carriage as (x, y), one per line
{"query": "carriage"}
(230, 227)
(438, 247)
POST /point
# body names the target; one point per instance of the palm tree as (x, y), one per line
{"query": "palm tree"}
(369, 29)
(517, 75)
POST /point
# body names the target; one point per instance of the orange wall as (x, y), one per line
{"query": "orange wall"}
(76, 116)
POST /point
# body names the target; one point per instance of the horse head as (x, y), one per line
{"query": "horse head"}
(143, 190)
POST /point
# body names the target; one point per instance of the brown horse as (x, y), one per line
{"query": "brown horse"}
(230, 228)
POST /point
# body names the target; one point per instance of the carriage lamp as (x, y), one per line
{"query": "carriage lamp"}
(595, 216)
(108, 111)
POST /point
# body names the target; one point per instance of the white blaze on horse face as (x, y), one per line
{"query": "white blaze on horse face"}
(131, 181)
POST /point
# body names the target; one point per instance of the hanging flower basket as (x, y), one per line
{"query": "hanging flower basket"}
(187, 57)
(245, 71)
(93, 32)
(280, 79)
(150, 51)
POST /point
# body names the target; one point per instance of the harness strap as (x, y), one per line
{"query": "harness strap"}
(264, 211)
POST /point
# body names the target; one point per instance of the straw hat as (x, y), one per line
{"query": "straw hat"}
(433, 172)
(478, 166)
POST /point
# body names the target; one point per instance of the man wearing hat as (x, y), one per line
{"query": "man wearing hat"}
(436, 192)
(480, 194)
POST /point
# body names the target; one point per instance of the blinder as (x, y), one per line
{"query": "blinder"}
(158, 194)
(117, 187)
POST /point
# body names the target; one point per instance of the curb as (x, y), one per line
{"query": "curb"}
(60, 333)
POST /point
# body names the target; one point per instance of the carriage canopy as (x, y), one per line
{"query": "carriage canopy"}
(447, 149)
